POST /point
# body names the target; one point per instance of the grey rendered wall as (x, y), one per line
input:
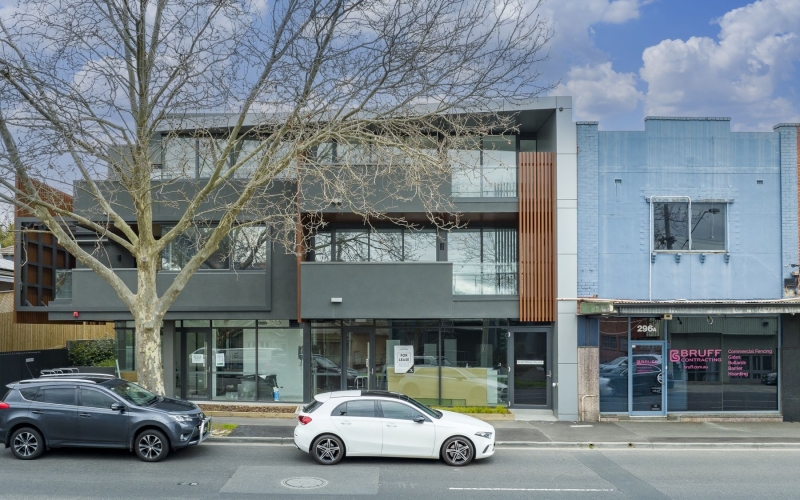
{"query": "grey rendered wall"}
(787, 135)
(208, 295)
(387, 290)
(168, 197)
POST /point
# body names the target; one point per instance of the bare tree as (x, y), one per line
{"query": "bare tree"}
(238, 112)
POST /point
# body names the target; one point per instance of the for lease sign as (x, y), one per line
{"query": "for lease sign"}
(403, 358)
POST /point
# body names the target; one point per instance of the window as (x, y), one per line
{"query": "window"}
(484, 167)
(250, 248)
(398, 411)
(609, 342)
(355, 409)
(96, 399)
(245, 248)
(382, 245)
(29, 393)
(676, 227)
(730, 366)
(59, 395)
(484, 261)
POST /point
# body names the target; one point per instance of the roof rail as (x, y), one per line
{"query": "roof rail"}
(54, 379)
(76, 374)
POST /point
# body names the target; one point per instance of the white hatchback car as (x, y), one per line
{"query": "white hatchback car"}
(388, 424)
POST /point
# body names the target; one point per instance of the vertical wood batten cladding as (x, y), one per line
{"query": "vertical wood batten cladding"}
(537, 236)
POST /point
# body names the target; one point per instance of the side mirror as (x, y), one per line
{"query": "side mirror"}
(419, 419)
(118, 407)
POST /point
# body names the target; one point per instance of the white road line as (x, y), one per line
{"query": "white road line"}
(580, 426)
(593, 490)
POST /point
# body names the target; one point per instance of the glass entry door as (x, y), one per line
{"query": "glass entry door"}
(530, 368)
(647, 378)
(366, 359)
(197, 364)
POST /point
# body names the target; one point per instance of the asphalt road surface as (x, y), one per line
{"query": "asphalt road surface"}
(256, 471)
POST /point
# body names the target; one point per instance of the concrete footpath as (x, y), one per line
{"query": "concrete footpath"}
(605, 435)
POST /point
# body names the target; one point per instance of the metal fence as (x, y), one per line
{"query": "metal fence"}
(28, 364)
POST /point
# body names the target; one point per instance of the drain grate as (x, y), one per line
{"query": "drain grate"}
(304, 483)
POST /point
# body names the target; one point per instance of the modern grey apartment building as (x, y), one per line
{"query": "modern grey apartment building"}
(477, 305)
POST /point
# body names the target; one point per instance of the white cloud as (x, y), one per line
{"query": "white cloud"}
(572, 21)
(599, 91)
(746, 73)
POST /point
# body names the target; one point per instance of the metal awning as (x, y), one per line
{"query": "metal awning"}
(608, 307)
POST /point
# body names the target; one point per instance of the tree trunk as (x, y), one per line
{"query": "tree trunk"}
(148, 318)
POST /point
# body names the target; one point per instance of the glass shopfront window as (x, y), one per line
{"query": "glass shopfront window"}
(326, 358)
(238, 360)
(475, 365)
(723, 364)
(423, 383)
(712, 363)
(613, 379)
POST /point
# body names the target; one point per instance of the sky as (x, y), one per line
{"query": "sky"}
(622, 60)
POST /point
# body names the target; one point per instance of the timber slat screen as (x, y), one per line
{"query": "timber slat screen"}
(537, 236)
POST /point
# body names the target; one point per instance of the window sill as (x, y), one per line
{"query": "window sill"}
(673, 252)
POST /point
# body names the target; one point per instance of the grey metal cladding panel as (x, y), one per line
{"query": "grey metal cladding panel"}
(204, 291)
(484, 307)
(313, 198)
(377, 289)
(169, 198)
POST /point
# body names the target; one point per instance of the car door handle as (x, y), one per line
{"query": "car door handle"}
(391, 425)
(85, 414)
(37, 412)
(345, 423)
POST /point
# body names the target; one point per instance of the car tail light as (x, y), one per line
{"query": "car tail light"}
(6, 406)
(304, 419)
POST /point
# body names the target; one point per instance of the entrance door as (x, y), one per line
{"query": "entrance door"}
(366, 359)
(647, 379)
(196, 354)
(530, 368)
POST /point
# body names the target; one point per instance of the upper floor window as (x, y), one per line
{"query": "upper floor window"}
(243, 249)
(193, 158)
(484, 167)
(484, 261)
(382, 245)
(684, 226)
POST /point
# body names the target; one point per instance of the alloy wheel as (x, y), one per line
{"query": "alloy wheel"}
(150, 446)
(458, 452)
(26, 444)
(328, 450)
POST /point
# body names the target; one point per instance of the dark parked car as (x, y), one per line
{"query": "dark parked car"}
(770, 378)
(96, 411)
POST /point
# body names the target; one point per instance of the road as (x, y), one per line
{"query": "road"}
(255, 471)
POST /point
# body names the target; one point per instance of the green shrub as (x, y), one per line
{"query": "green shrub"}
(99, 352)
(502, 410)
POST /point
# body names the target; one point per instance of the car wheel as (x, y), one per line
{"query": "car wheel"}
(457, 451)
(27, 443)
(151, 446)
(327, 450)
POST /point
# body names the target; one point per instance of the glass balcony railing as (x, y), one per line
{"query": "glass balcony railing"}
(485, 279)
(63, 283)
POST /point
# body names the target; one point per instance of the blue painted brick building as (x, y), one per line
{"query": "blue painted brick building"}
(687, 258)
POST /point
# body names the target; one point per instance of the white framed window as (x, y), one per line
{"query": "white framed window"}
(689, 226)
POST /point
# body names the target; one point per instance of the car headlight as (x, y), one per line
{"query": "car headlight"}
(487, 435)
(180, 418)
